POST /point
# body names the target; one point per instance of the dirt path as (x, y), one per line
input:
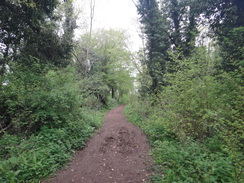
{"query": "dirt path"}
(118, 153)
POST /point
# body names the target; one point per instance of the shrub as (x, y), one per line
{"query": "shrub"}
(29, 160)
(43, 121)
(192, 164)
(189, 160)
(35, 97)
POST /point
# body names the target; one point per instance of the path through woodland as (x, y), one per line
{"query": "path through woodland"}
(118, 153)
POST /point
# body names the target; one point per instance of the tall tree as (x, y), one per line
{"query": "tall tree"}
(92, 13)
(69, 26)
(182, 16)
(168, 25)
(155, 28)
(31, 28)
(226, 19)
(20, 21)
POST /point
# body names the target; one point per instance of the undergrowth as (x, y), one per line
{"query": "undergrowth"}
(44, 122)
(195, 121)
(189, 162)
(32, 159)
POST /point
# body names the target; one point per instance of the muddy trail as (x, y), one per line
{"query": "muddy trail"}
(118, 153)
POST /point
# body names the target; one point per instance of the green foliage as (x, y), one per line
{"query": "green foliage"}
(43, 116)
(233, 49)
(176, 162)
(42, 120)
(29, 160)
(35, 97)
(104, 63)
(155, 27)
(35, 30)
(182, 20)
(195, 119)
(168, 25)
(192, 164)
(228, 14)
(226, 20)
(152, 127)
(195, 123)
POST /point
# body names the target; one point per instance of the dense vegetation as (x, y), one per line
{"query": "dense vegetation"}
(191, 89)
(54, 90)
(189, 101)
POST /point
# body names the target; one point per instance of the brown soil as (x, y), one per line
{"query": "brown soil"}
(118, 153)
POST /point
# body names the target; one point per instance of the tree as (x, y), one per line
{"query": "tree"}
(155, 28)
(54, 43)
(182, 16)
(226, 18)
(169, 25)
(20, 21)
(109, 64)
(69, 25)
(34, 39)
(31, 28)
(92, 12)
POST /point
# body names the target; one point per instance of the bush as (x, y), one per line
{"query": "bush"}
(192, 160)
(192, 164)
(29, 160)
(35, 97)
(43, 121)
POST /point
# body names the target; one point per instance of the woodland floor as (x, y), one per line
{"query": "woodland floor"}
(118, 153)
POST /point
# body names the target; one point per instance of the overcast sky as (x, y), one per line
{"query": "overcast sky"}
(115, 14)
